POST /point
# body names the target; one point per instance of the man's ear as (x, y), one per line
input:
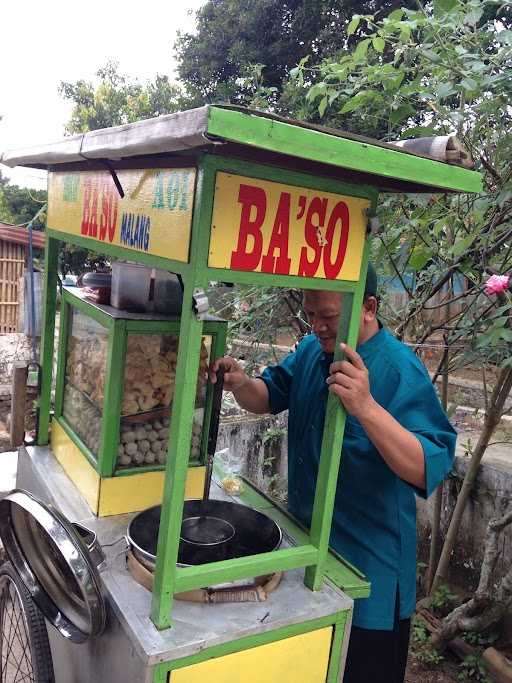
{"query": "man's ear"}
(370, 308)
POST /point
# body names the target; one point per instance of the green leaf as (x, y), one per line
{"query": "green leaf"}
(354, 23)
(474, 16)
(355, 102)
(402, 112)
(393, 84)
(418, 132)
(378, 44)
(405, 33)
(431, 55)
(445, 90)
(462, 245)
(419, 257)
(443, 6)
(506, 334)
(469, 84)
(361, 50)
(317, 90)
(396, 15)
(323, 105)
(504, 196)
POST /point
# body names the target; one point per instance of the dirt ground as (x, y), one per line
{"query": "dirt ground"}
(444, 672)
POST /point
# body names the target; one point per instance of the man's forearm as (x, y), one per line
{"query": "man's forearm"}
(253, 396)
(401, 450)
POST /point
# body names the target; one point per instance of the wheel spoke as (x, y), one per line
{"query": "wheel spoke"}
(16, 654)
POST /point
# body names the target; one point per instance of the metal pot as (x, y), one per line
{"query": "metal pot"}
(211, 530)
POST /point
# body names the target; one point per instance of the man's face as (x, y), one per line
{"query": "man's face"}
(323, 311)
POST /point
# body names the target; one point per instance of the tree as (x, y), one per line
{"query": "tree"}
(114, 100)
(18, 205)
(233, 35)
(441, 68)
(117, 99)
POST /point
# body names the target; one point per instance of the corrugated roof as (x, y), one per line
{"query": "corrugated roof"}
(19, 235)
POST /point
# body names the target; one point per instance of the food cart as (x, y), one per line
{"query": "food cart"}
(216, 194)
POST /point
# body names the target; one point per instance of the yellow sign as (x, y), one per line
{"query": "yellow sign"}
(265, 227)
(154, 216)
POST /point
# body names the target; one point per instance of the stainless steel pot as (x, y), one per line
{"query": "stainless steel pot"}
(211, 530)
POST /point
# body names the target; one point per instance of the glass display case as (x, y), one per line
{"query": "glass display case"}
(115, 384)
(148, 391)
(84, 380)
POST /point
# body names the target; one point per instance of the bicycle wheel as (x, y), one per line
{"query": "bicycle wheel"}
(24, 647)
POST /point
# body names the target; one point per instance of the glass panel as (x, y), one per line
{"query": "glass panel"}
(84, 383)
(149, 380)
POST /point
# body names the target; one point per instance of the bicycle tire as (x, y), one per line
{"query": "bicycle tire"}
(20, 621)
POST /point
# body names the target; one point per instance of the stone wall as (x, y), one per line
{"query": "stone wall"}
(259, 444)
(491, 497)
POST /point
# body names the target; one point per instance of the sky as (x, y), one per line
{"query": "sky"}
(44, 43)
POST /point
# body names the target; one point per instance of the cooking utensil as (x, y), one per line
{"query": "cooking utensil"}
(204, 529)
(254, 533)
(214, 430)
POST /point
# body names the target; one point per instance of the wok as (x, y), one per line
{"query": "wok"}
(211, 530)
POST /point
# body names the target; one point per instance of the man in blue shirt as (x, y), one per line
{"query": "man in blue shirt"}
(397, 442)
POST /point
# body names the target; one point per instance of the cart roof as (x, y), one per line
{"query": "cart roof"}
(256, 136)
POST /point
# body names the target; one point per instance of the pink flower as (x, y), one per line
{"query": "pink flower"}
(497, 284)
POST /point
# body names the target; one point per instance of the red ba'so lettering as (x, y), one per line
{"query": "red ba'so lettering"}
(318, 209)
(330, 249)
(279, 240)
(339, 215)
(99, 191)
(250, 197)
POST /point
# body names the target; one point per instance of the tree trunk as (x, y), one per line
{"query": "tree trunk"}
(435, 540)
(492, 418)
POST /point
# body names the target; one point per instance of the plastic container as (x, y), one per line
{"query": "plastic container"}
(130, 286)
(168, 295)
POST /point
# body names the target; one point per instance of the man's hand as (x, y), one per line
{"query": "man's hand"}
(349, 381)
(400, 448)
(234, 375)
(251, 394)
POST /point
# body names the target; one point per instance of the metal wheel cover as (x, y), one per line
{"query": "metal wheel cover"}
(54, 564)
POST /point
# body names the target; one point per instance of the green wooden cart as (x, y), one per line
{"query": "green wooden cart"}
(213, 194)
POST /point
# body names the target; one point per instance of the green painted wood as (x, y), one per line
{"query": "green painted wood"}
(285, 138)
(334, 426)
(177, 462)
(51, 258)
(285, 559)
(287, 176)
(250, 642)
(61, 355)
(161, 674)
(269, 280)
(213, 164)
(191, 330)
(338, 637)
(121, 253)
(88, 309)
(112, 399)
(153, 326)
